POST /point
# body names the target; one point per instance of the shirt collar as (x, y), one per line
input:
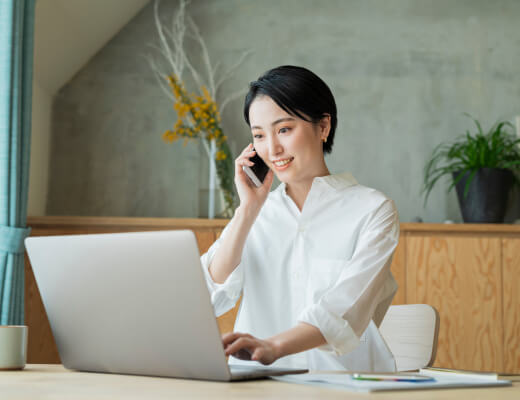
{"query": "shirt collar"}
(336, 181)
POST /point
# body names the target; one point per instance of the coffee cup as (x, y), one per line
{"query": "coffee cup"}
(13, 346)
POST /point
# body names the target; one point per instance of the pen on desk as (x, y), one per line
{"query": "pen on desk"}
(421, 379)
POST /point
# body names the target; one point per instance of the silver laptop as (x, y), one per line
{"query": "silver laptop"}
(133, 303)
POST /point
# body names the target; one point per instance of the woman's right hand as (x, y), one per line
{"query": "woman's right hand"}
(251, 197)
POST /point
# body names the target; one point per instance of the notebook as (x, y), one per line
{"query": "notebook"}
(398, 381)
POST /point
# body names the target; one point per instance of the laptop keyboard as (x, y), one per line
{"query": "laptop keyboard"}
(256, 370)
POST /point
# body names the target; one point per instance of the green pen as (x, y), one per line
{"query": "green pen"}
(392, 378)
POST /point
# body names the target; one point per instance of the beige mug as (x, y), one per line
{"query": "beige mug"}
(13, 346)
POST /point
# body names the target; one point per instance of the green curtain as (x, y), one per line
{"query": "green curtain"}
(16, 59)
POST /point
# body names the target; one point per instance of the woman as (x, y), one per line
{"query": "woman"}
(312, 257)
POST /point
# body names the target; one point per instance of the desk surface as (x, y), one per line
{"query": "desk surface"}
(44, 381)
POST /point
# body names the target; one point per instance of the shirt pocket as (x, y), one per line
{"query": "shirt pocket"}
(323, 275)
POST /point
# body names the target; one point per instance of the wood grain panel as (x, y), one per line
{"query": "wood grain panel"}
(117, 223)
(398, 268)
(511, 313)
(460, 276)
(73, 224)
(226, 322)
(41, 348)
(472, 229)
(204, 240)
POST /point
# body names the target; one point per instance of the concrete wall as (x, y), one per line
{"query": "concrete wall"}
(64, 40)
(402, 72)
(40, 150)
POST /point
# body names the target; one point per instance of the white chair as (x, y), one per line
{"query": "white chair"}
(411, 332)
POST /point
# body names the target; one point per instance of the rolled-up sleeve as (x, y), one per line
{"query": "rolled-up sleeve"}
(223, 295)
(364, 288)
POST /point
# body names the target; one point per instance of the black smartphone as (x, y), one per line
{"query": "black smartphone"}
(258, 171)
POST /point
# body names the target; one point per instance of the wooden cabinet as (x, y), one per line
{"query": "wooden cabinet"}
(511, 303)
(399, 271)
(469, 273)
(460, 276)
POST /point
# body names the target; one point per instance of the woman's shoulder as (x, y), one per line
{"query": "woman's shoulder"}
(350, 190)
(355, 201)
(375, 202)
(368, 194)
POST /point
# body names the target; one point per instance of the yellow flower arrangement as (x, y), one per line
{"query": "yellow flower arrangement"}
(198, 118)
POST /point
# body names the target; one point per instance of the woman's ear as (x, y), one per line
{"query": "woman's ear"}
(324, 127)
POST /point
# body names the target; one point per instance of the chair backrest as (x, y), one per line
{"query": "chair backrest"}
(411, 332)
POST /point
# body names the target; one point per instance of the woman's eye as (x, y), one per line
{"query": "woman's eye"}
(257, 136)
(284, 130)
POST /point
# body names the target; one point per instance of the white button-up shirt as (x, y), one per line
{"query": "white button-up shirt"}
(328, 266)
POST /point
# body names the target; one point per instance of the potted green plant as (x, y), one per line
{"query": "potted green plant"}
(481, 167)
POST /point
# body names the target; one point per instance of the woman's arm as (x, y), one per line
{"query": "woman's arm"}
(365, 287)
(229, 254)
(246, 347)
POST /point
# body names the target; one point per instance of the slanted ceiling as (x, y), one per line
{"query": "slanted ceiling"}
(69, 32)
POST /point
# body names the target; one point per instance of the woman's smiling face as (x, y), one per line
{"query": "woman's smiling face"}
(290, 146)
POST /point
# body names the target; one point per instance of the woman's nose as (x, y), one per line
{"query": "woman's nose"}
(275, 147)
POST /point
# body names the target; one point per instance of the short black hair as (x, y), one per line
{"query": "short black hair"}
(297, 91)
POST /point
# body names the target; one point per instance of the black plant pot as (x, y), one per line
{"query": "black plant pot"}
(487, 196)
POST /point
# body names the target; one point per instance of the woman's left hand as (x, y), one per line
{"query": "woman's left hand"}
(247, 347)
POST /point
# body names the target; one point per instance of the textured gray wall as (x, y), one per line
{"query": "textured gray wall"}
(402, 72)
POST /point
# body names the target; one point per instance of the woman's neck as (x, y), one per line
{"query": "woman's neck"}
(298, 191)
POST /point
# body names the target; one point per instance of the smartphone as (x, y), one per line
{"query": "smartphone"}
(258, 171)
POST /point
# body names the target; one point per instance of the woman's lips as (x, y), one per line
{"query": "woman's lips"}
(282, 164)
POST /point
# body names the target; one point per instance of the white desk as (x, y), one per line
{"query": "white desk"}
(46, 381)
